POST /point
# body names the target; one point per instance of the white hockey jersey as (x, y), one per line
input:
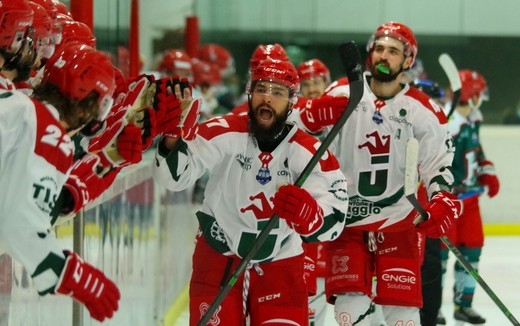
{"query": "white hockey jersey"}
(35, 157)
(243, 181)
(371, 150)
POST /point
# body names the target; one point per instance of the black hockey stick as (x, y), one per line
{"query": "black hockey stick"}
(351, 59)
(410, 184)
(451, 71)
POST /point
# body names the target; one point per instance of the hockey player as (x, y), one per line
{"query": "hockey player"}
(380, 236)
(253, 161)
(15, 17)
(36, 156)
(314, 79)
(472, 172)
(431, 269)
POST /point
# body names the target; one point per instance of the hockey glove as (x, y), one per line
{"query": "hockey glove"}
(321, 112)
(85, 184)
(190, 119)
(144, 119)
(488, 178)
(168, 114)
(299, 209)
(88, 285)
(443, 209)
(129, 144)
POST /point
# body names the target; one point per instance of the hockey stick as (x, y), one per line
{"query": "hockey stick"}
(451, 71)
(410, 183)
(351, 59)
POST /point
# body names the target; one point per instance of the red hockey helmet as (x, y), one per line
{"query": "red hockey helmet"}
(473, 84)
(267, 51)
(313, 68)
(62, 8)
(218, 55)
(16, 16)
(205, 73)
(399, 32)
(77, 70)
(75, 31)
(42, 25)
(49, 6)
(280, 72)
(176, 62)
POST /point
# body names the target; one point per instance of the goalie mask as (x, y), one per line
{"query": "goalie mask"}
(473, 85)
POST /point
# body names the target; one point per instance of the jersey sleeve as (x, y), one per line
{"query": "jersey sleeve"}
(436, 149)
(326, 183)
(184, 165)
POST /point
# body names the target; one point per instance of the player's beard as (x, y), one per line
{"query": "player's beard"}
(266, 133)
(384, 77)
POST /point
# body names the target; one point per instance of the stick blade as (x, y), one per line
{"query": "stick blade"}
(451, 71)
(411, 159)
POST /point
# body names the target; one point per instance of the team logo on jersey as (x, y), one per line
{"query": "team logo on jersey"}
(244, 161)
(339, 189)
(378, 117)
(264, 211)
(45, 194)
(264, 175)
(379, 146)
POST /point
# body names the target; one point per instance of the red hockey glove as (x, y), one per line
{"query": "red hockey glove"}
(115, 122)
(168, 114)
(85, 184)
(90, 286)
(321, 112)
(443, 209)
(190, 119)
(488, 178)
(299, 209)
(144, 119)
(129, 144)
